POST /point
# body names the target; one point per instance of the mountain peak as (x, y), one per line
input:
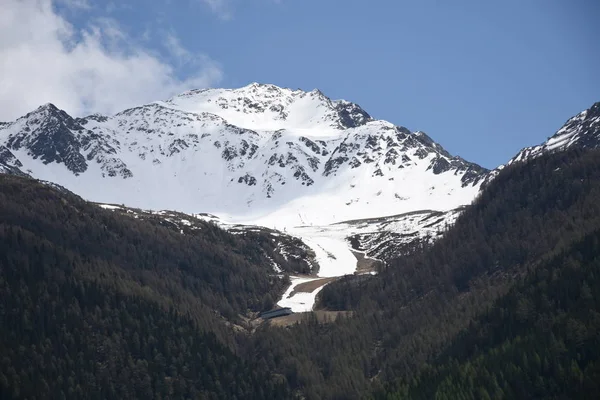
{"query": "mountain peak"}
(256, 85)
(267, 107)
(46, 108)
(46, 111)
(50, 135)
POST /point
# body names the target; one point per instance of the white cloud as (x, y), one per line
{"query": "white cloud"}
(45, 59)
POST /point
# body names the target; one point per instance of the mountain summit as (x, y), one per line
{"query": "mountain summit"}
(260, 153)
(269, 107)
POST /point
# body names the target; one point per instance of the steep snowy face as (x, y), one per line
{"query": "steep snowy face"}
(582, 130)
(256, 154)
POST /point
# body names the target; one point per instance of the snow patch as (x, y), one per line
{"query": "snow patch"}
(299, 302)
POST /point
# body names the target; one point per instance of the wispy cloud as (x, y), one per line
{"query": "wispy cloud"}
(99, 68)
(222, 8)
(175, 48)
(76, 4)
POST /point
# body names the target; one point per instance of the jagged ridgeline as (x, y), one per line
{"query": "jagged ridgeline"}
(260, 151)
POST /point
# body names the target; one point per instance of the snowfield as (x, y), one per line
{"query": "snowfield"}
(333, 255)
(299, 302)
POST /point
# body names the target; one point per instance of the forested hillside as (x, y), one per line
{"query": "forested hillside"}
(147, 258)
(68, 338)
(97, 305)
(541, 340)
(410, 313)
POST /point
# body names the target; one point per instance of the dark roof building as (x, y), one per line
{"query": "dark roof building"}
(276, 313)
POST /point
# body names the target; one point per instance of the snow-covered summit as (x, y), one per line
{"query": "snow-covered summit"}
(260, 153)
(271, 108)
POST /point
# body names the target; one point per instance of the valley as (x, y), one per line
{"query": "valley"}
(163, 233)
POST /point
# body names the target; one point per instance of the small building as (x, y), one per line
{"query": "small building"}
(280, 312)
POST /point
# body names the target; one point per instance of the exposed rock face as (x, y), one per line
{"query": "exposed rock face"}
(9, 164)
(49, 134)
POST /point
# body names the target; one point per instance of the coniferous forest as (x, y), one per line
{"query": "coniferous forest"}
(96, 304)
(406, 317)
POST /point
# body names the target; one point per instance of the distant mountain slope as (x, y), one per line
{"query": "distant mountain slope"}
(582, 131)
(255, 154)
(285, 254)
(9, 163)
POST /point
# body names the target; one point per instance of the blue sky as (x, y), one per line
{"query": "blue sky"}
(483, 78)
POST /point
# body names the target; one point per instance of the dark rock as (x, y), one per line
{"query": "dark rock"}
(351, 115)
(50, 137)
(247, 179)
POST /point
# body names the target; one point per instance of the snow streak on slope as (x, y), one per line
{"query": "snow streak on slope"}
(334, 258)
(333, 255)
(299, 302)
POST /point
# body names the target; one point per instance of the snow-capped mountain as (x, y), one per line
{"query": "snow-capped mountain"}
(260, 153)
(582, 131)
